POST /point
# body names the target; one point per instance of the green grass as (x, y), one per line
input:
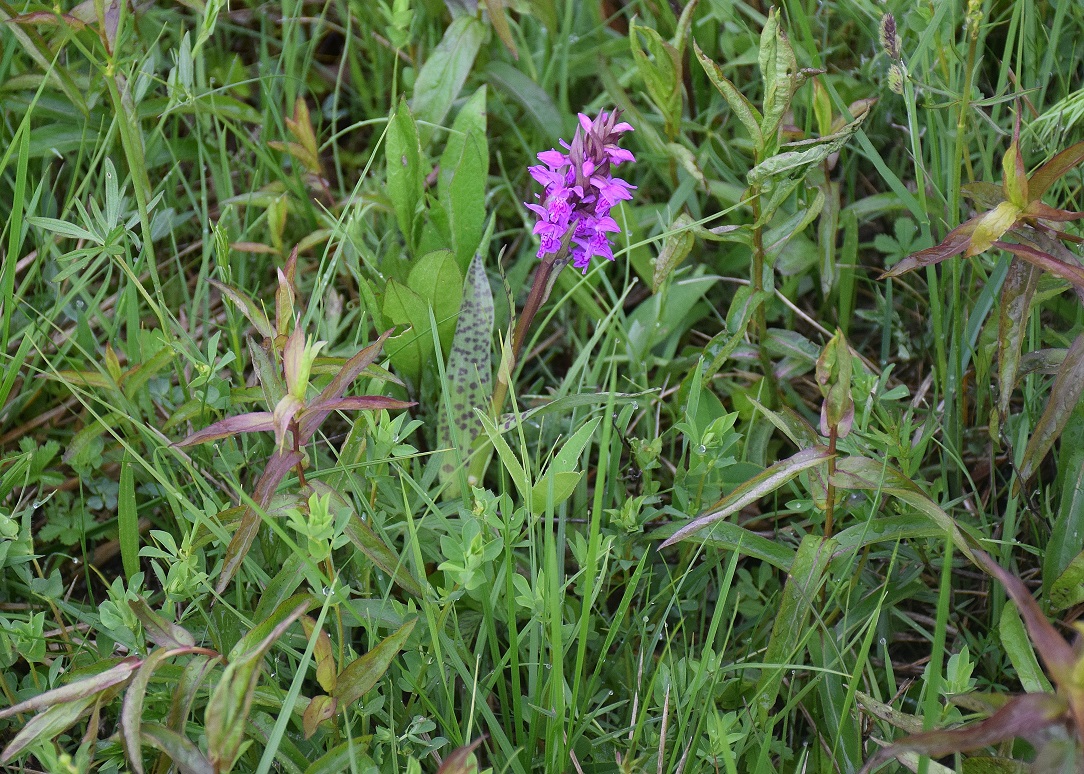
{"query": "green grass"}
(407, 588)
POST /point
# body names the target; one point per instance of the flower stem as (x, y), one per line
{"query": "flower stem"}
(547, 272)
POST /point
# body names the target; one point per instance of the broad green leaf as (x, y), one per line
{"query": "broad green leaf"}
(406, 178)
(1064, 397)
(408, 350)
(794, 162)
(777, 68)
(434, 281)
(445, 71)
(675, 248)
(534, 100)
(752, 490)
(749, 116)
(461, 183)
(1016, 294)
(437, 279)
(470, 369)
(661, 73)
(361, 675)
(804, 580)
(562, 470)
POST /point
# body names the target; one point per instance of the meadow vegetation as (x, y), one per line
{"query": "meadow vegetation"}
(317, 456)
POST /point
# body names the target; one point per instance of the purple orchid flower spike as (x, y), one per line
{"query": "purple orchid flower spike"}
(580, 189)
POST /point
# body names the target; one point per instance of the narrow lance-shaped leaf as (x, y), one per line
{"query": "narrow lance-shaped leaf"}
(863, 473)
(277, 467)
(459, 762)
(806, 575)
(1064, 396)
(955, 242)
(362, 674)
(445, 71)
(79, 689)
(1046, 262)
(1043, 177)
(247, 307)
(1016, 294)
(675, 248)
(185, 755)
(253, 422)
(162, 632)
(760, 485)
(231, 700)
(47, 725)
(1022, 716)
(131, 714)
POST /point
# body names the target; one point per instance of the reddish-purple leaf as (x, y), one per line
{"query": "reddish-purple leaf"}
(311, 419)
(955, 242)
(88, 687)
(459, 761)
(1055, 652)
(352, 368)
(765, 482)
(277, 467)
(131, 713)
(1046, 262)
(161, 632)
(1046, 212)
(1065, 394)
(253, 422)
(1043, 177)
(1022, 716)
(185, 755)
(47, 725)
